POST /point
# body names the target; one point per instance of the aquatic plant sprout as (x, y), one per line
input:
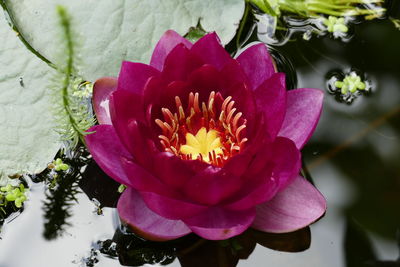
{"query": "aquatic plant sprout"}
(10, 193)
(71, 112)
(351, 83)
(206, 143)
(348, 86)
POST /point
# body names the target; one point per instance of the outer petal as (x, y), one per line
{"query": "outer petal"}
(270, 98)
(171, 208)
(133, 76)
(107, 150)
(179, 63)
(145, 222)
(257, 63)
(299, 205)
(142, 180)
(211, 186)
(127, 113)
(304, 108)
(286, 161)
(171, 170)
(219, 224)
(168, 41)
(102, 90)
(210, 50)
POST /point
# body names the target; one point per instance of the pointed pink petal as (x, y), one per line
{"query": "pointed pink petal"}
(107, 150)
(272, 169)
(219, 224)
(204, 80)
(134, 212)
(257, 63)
(299, 205)
(171, 208)
(133, 76)
(125, 106)
(286, 161)
(236, 75)
(167, 42)
(126, 114)
(102, 90)
(171, 170)
(270, 98)
(142, 180)
(255, 192)
(258, 185)
(210, 50)
(238, 164)
(179, 63)
(304, 108)
(211, 186)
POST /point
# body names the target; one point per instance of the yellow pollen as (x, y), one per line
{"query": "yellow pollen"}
(204, 143)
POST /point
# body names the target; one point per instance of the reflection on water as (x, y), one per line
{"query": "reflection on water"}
(353, 158)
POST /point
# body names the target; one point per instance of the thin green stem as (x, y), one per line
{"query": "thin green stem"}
(68, 71)
(242, 23)
(14, 27)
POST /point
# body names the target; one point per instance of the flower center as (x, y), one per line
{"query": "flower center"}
(204, 143)
(211, 132)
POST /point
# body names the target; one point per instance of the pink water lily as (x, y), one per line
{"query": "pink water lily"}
(206, 143)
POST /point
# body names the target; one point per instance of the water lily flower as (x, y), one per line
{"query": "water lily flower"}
(206, 143)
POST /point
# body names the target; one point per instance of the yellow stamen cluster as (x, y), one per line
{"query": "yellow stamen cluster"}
(210, 131)
(202, 144)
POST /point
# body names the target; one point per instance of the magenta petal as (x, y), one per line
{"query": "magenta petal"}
(219, 224)
(133, 76)
(142, 180)
(210, 50)
(125, 106)
(134, 212)
(127, 113)
(212, 185)
(257, 63)
(261, 192)
(102, 90)
(299, 205)
(172, 170)
(107, 150)
(286, 161)
(259, 186)
(168, 41)
(304, 108)
(270, 98)
(179, 63)
(204, 80)
(171, 208)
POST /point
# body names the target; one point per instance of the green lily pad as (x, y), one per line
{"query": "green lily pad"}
(27, 137)
(112, 31)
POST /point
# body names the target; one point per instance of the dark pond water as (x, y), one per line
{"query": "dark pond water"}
(353, 158)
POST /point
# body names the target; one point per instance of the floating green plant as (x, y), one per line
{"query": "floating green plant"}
(72, 112)
(9, 194)
(59, 165)
(351, 84)
(370, 9)
(335, 24)
(348, 86)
